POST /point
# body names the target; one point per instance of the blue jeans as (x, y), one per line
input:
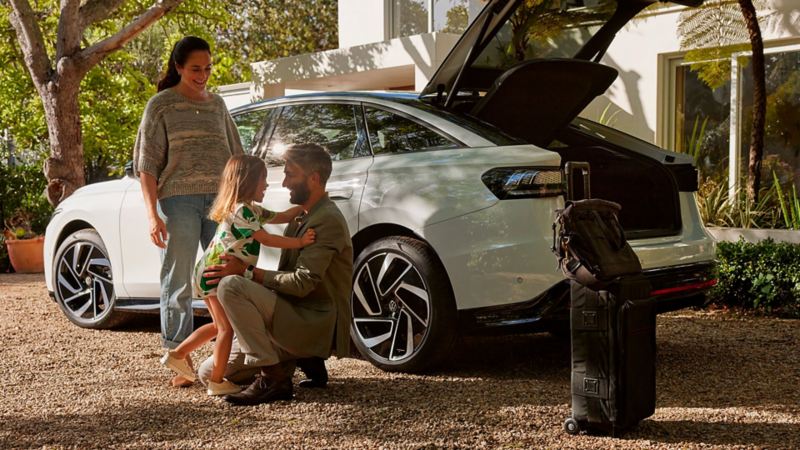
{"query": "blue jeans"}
(186, 218)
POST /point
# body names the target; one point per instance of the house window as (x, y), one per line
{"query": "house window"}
(450, 16)
(410, 17)
(713, 123)
(782, 127)
(702, 122)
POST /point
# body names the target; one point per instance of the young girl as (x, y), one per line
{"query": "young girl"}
(239, 234)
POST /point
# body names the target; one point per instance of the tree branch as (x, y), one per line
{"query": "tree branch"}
(31, 42)
(69, 33)
(97, 10)
(89, 57)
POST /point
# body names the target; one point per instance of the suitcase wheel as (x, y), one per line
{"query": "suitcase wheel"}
(571, 426)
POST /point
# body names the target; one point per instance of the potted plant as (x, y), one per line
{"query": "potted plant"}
(25, 247)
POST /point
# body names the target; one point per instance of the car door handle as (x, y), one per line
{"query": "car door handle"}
(341, 194)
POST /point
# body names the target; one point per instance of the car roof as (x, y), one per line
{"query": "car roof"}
(404, 97)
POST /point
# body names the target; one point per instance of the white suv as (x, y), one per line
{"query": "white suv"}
(449, 195)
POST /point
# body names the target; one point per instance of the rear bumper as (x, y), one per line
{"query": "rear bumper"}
(674, 287)
(678, 287)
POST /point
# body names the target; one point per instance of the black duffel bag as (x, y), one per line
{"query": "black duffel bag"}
(590, 243)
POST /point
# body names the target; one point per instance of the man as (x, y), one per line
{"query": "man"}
(297, 313)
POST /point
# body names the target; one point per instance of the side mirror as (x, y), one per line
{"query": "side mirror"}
(129, 169)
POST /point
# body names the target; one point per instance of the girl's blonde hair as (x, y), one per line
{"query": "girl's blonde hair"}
(238, 185)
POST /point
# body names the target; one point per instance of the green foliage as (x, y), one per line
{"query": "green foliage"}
(22, 193)
(695, 143)
(790, 206)
(5, 263)
(113, 94)
(711, 34)
(264, 30)
(607, 119)
(457, 20)
(763, 276)
(717, 210)
(713, 65)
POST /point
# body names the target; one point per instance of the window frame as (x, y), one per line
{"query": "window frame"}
(668, 104)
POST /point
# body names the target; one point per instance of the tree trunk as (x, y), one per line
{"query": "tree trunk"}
(58, 86)
(64, 168)
(759, 100)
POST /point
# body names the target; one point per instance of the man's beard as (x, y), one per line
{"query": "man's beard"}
(299, 194)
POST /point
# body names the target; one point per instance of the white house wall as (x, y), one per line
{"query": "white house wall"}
(362, 22)
(635, 54)
(408, 61)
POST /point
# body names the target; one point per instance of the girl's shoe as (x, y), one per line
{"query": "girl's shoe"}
(179, 366)
(224, 387)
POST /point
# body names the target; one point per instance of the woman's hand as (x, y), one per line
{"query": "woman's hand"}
(158, 232)
(231, 266)
(308, 237)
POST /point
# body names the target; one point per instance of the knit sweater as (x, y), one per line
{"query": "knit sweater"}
(185, 143)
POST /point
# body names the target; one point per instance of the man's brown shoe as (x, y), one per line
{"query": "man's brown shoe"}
(314, 369)
(271, 385)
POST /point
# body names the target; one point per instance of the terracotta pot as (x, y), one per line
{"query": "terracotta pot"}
(26, 255)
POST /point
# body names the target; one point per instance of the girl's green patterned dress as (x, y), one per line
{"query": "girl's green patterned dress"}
(234, 237)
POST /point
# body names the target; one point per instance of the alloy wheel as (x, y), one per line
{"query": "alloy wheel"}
(391, 307)
(84, 284)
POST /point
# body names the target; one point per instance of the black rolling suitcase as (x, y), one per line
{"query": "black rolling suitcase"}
(613, 356)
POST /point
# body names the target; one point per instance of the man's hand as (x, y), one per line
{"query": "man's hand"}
(231, 266)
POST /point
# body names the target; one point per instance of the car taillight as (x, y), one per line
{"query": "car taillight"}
(524, 182)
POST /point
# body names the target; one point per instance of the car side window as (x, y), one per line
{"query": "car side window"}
(393, 133)
(251, 126)
(337, 127)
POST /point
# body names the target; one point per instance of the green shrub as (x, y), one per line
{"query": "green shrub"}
(763, 276)
(5, 263)
(22, 189)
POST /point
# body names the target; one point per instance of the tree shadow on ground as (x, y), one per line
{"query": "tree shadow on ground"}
(761, 435)
(150, 323)
(152, 423)
(707, 374)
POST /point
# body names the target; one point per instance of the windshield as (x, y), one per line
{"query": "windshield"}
(545, 29)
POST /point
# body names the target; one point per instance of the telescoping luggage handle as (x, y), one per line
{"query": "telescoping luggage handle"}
(574, 166)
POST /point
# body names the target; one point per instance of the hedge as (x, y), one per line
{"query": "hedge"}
(764, 276)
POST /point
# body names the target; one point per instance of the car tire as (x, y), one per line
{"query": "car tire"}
(83, 282)
(403, 312)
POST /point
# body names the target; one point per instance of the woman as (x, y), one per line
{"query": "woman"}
(185, 139)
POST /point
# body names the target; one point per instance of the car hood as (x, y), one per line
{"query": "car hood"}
(508, 34)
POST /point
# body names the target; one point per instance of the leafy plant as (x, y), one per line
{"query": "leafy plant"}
(608, 119)
(695, 142)
(19, 226)
(764, 276)
(5, 263)
(790, 206)
(717, 209)
(22, 193)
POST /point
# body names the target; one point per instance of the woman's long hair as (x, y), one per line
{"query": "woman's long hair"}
(180, 53)
(238, 185)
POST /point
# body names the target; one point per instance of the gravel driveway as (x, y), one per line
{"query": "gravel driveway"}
(723, 381)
